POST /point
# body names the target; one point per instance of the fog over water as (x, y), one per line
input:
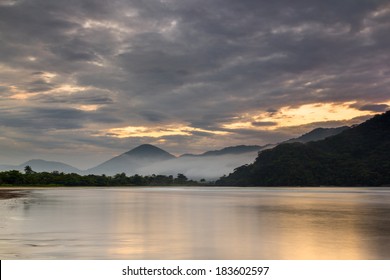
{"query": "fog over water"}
(208, 167)
(197, 223)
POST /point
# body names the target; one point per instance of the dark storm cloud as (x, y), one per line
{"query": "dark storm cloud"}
(88, 97)
(153, 116)
(375, 107)
(39, 86)
(52, 118)
(44, 118)
(264, 123)
(69, 53)
(199, 63)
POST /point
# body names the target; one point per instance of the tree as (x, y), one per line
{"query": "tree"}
(181, 179)
(28, 170)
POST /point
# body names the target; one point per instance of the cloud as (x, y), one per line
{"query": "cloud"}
(375, 108)
(95, 96)
(94, 65)
(264, 123)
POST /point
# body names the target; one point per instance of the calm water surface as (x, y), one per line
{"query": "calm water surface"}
(197, 223)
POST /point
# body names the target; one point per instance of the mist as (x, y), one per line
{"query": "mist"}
(199, 167)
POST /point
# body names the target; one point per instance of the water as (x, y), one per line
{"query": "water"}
(197, 223)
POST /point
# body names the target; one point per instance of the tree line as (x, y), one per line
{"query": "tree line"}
(55, 178)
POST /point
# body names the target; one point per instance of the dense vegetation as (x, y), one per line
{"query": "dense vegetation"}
(31, 178)
(356, 157)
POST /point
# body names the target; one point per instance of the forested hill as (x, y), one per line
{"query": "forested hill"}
(358, 156)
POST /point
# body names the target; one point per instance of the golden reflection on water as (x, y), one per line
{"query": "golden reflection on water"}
(198, 223)
(243, 226)
(310, 232)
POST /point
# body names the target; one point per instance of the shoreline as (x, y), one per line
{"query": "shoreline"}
(11, 193)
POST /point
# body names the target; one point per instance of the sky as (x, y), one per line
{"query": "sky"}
(84, 80)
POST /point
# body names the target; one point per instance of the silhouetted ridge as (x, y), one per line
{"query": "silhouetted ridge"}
(318, 134)
(233, 150)
(147, 150)
(357, 156)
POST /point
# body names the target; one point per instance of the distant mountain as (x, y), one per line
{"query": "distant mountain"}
(39, 165)
(317, 134)
(4, 167)
(147, 159)
(200, 167)
(233, 150)
(132, 160)
(213, 164)
(355, 157)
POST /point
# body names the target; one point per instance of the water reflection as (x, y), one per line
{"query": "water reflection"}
(197, 223)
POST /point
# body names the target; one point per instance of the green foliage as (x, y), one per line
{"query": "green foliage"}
(181, 179)
(28, 170)
(31, 177)
(356, 157)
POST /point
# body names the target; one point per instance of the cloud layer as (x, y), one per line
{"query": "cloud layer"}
(80, 79)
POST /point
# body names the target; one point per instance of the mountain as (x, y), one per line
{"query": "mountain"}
(39, 165)
(213, 164)
(132, 160)
(358, 156)
(318, 134)
(149, 151)
(199, 167)
(233, 150)
(4, 167)
(148, 159)
(210, 165)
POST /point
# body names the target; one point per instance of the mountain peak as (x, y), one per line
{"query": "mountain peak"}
(131, 161)
(147, 150)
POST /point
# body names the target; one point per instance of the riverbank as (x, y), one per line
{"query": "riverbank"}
(11, 193)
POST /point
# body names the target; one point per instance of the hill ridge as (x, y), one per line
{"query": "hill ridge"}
(357, 156)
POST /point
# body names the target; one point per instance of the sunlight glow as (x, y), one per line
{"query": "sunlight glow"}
(47, 76)
(20, 94)
(238, 125)
(143, 131)
(316, 112)
(155, 132)
(105, 24)
(70, 88)
(92, 107)
(295, 116)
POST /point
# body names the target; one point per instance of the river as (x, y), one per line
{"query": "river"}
(196, 223)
